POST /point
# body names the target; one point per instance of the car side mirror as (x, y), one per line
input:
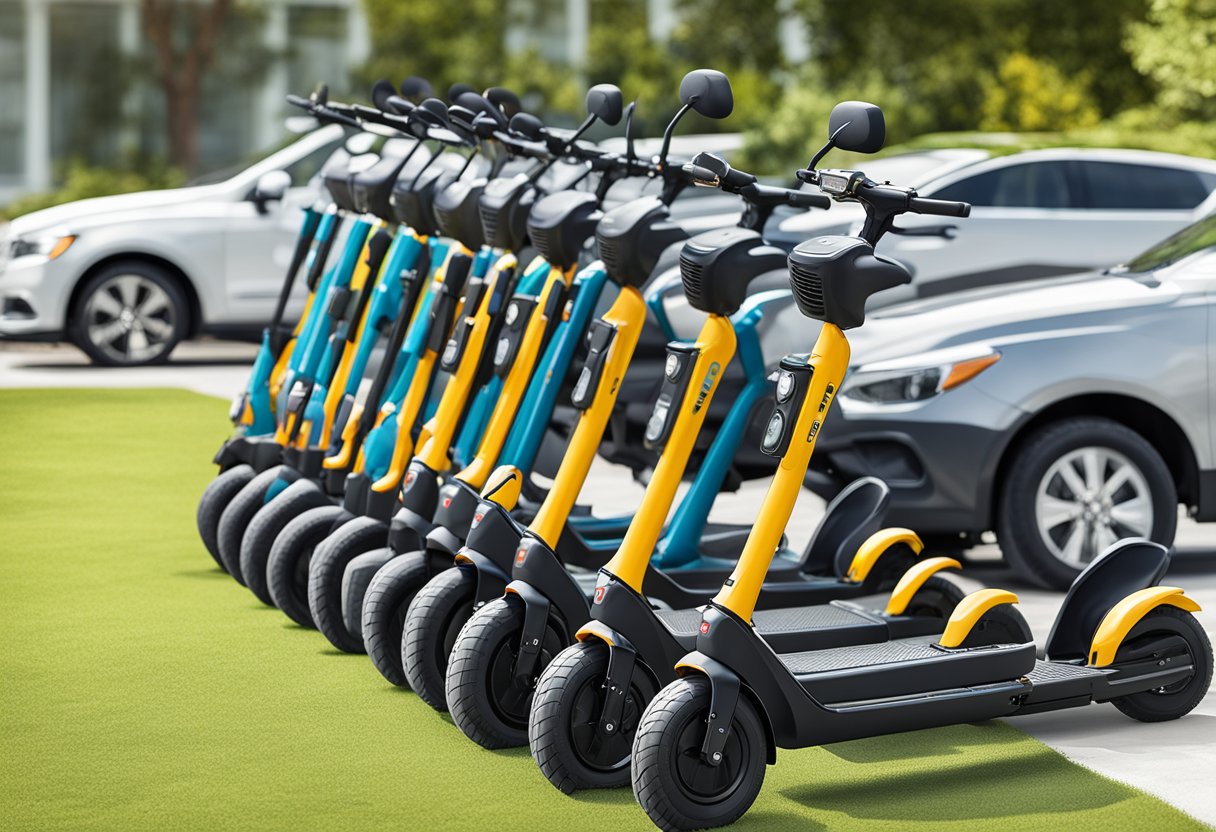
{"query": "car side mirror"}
(708, 92)
(271, 187)
(857, 126)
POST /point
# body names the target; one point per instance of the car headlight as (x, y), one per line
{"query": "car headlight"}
(916, 378)
(49, 245)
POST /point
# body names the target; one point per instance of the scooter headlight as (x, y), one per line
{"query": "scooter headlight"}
(916, 379)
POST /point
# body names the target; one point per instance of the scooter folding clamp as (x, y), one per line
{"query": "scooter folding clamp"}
(600, 342)
(677, 372)
(793, 379)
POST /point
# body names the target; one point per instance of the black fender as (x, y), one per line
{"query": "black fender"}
(725, 689)
(492, 580)
(440, 540)
(408, 530)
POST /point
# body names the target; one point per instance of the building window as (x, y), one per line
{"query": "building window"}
(12, 91)
(317, 35)
(84, 119)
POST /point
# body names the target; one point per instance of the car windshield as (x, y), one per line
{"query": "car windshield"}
(1195, 237)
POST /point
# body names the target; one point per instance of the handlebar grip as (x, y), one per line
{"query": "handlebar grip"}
(939, 207)
(805, 199)
(300, 101)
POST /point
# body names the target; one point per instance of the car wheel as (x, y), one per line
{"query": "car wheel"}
(129, 314)
(1074, 488)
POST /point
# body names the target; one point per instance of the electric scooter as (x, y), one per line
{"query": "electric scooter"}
(703, 742)
(504, 371)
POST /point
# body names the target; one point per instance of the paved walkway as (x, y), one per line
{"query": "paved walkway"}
(1174, 761)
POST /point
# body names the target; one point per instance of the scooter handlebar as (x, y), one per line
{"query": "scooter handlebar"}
(939, 207)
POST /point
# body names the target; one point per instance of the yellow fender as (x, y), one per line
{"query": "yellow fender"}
(1127, 614)
(503, 486)
(874, 548)
(914, 579)
(969, 611)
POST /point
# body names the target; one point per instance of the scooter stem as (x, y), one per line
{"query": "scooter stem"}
(829, 360)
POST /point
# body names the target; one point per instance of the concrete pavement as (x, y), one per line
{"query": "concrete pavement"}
(1173, 761)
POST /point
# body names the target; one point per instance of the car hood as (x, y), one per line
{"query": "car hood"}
(107, 209)
(998, 314)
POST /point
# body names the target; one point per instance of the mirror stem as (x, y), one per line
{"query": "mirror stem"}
(671, 126)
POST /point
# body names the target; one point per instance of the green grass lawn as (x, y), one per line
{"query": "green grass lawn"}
(141, 688)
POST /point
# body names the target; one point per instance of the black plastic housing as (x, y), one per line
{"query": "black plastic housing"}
(372, 188)
(504, 209)
(560, 225)
(457, 208)
(632, 237)
(832, 277)
(717, 266)
(413, 197)
(336, 175)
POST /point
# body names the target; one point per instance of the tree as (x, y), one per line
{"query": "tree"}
(1174, 48)
(183, 37)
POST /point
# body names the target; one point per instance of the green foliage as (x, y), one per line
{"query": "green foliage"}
(1174, 47)
(84, 181)
(1030, 94)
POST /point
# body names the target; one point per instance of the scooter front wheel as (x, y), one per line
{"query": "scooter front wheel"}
(564, 731)
(488, 698)
(325, 574)
(216, 497)
(385, 605)
(267, 524)
(434, 620)
(287, 568)
(676, 787)
(236, 516)
(1179, 699)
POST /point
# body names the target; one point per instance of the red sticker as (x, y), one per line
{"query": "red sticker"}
(477, 518)
(447, 501)
(704, 627)
(410, 476)
(599, 594)
(520, 554)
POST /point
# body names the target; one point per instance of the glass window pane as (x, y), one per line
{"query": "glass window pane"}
(1030, 185)
(317, 37)
(1114, 185)
(84, 121)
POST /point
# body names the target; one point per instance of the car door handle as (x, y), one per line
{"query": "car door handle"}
(948, 232)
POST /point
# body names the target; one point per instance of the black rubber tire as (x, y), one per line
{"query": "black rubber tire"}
(569, 698)
(668, 746)
(355, 581)
(268, 524)
(290, 557)
(329, 562)
(216, 496)
(434, 620)
(385, 605)
(494, 715)
(1017, 530)
(179, 307)
(937, 597)
(1180, 699)
(235, 519)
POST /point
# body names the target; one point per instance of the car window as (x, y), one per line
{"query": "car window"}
(1115, 185)
(306, 167)
(1028, 185)
(1194, 238)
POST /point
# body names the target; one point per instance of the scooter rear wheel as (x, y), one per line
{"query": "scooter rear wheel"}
(1179, 699)
(325, 573)
(236, 517)
(216, 497)
(671, 781)
(434, 620)
(487, 702)
(563, 727)
(385, 605)
(287, 569)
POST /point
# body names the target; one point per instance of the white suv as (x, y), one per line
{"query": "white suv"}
(127, 277)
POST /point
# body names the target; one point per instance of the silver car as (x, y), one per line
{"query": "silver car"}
(1034, 214)
(127, 277)
(1064, 416)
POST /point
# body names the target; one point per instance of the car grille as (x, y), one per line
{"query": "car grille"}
(809, 289)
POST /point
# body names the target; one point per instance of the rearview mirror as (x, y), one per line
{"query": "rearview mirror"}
(605, 103)
(857, 126)
(415, 89)
(528, 126)
(505, 100)
(382, 91)
(708, 92)
(271, 187)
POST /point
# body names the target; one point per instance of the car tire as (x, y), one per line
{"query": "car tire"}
(129, 314)
(1036, 494)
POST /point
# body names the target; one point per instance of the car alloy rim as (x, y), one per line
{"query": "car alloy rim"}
(1088, 499)
(129, 318)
